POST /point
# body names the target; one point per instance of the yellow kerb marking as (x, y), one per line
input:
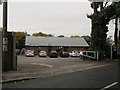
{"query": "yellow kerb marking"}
(47, 65)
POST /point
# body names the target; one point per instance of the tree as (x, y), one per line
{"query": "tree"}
(118, 41)
(61, 36)
(99, 20)
(109, 43)
(20, 40)
(42, 34)
(76, 36)
(1, 29)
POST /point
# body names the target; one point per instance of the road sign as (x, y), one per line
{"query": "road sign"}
(5, 41)
(4, 47)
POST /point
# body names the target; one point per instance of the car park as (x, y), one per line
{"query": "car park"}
(53, 53)
(42, 54)
(64, 54)
(29, 53)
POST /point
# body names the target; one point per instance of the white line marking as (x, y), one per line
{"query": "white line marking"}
(96, 67)
(109, 86)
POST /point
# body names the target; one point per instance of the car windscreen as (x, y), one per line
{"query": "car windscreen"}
(42, 52)
(29, 51)
(53, 52)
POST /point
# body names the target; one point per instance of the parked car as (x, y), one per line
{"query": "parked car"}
(29, 53)
(64, 54)
(74, 53)
(53, 53)
(42, 54)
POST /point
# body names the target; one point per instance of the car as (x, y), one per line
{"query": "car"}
(42, 54)
(53, 53)
(74, 53)
(64, 54)
(29, 53)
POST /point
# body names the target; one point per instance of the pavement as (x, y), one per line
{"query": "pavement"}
(34, 67)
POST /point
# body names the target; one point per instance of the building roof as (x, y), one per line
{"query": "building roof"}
(55, 41)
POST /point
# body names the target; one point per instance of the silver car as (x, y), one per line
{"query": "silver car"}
(74, 53)
(42, 54)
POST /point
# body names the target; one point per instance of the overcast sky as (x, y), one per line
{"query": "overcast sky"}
(66, 18)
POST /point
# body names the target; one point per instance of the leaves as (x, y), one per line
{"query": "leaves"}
(76, 36)
(100, 19)
(61, 36)
(20, 40)
(42, 34)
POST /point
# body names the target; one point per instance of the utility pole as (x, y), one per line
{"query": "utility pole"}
(5, 41)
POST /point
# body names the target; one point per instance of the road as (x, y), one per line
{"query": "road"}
(102, 77)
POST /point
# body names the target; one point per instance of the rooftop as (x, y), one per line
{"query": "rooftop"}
(55, 41)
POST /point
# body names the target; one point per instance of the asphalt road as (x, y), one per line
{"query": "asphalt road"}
(106, 76)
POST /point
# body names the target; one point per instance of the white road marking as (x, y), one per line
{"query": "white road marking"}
(47, 65)
(109, 86)
(98, 66)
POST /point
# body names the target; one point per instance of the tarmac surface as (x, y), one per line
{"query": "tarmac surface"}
(101, 78)
(37, 67)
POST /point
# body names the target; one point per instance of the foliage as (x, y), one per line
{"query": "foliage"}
(118, 41)
(20, 40)
(42, 34)
(61, 36)
(1, 29)
(100, 19)
(75, 36)
(109, 43)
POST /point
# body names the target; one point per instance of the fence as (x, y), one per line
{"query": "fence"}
(91, 54)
